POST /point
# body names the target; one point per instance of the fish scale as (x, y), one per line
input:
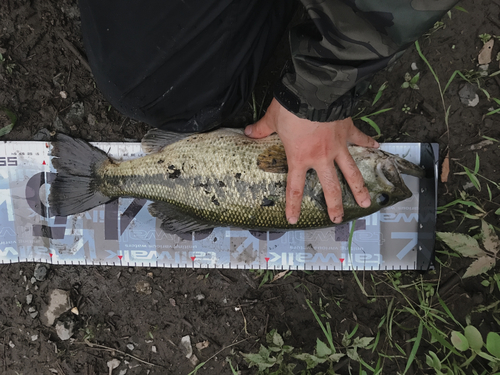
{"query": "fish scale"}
(217, 179)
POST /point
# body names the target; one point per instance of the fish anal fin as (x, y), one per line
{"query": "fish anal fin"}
(156, 139)
(273, 160)
(175, 221)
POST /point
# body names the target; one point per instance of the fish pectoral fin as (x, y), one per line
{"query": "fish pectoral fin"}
(156, 139)
(176, 221)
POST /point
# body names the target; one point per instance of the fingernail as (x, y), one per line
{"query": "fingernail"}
(292, 220)
(248, 130)
(366, 203)
(377, 145)
(336, 219)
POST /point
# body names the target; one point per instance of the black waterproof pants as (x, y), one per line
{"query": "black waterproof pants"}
(186, 65)
(181, 65)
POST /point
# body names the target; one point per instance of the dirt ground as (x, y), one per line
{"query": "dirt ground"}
(44, 56)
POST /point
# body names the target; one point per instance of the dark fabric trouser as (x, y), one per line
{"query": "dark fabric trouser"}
(181, 65)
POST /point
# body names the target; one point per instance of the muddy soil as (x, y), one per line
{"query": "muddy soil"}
(139, 315)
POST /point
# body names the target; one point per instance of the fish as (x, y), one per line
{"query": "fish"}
(221, 178)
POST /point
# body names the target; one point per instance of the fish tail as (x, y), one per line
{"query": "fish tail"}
(74, 189)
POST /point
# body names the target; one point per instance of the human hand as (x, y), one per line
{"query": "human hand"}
(316, 145)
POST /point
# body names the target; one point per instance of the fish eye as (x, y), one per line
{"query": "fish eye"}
(382, 199)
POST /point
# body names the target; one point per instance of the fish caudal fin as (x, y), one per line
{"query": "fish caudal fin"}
(74, 190)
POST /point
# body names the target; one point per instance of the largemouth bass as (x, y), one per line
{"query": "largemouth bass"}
(220, 178)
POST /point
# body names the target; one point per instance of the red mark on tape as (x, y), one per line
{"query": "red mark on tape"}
(267, 259)
(341, 260)
(120, 257)
(51, 254)
(44, 163)
(193, 258)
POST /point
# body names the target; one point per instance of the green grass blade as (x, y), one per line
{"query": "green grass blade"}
(328, 334)
(448, 312)
(416, 345)
(451, 80)
(379, 93)
(417, 46)
(371, 123)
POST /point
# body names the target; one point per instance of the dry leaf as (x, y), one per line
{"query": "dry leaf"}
(202, 345)
(490, 239)
(485, 53)
(479, 266)
(279, 276)
(445, 168)
(461, 243)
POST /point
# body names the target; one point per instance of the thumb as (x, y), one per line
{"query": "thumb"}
(260, 129)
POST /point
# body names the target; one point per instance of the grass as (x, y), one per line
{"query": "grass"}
(418, 331)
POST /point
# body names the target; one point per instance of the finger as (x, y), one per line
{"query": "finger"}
(354, 179)
(296, 180)
(359, 138)
(332, 192)
(260, 129)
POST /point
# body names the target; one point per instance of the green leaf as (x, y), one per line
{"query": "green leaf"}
(490, 239)
(485, 283)
(353, 354)
(474, 337)
(362, 342)
(433, 361)
(311, 360)
(493, 344)
(13, 119)
(462, 244)
(277, 339)
(335, 357)
(322, 349)
(405, 85)
(460, 9)
(480, 266)
(497, 212)
(257, 360)
(414, 80)
(459, 341)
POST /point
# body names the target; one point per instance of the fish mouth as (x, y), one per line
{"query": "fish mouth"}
(409, 168)
(389, 175)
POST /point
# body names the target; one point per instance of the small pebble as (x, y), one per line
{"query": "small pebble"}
(34, 337)
(130, 347)
(40, 272)
(153, 349)
(29, 299)
(63, 94)
(34, 314)
(11, 344)
(200, 296)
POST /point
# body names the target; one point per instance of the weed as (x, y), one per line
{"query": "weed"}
(469, 247)
(411, 82)
(11, 118)
(9, 67)
(406, 109)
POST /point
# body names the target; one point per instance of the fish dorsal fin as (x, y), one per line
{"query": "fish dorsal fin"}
(273, 159)
(156, 139)
(176, 221)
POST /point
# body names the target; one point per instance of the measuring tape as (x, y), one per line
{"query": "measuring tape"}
(123, 233)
